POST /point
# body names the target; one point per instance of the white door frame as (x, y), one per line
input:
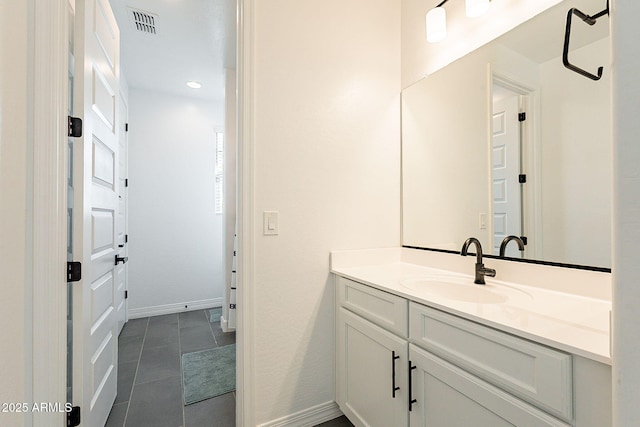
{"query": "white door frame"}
(245, 366)
(48, 295)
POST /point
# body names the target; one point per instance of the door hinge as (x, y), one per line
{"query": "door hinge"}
(126, 238)
(126, 127)
(126, 182)
(126, 294)
(74, 271)
(74, 129)
(522, 178)
(524, 239)
(522, 117)
(73, 417)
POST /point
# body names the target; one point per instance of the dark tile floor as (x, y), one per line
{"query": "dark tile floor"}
(338, 422)
(150, 378)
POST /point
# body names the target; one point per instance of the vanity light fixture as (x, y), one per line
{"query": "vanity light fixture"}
(194, 85)
(436, 20)
(437, 24)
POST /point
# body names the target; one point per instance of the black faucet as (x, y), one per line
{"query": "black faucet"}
(481, 271)
(506, 240)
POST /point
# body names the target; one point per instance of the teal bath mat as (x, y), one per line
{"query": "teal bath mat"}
(214, 314)
(208, 373)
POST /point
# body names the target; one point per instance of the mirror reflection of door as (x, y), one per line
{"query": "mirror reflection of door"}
(506, 167)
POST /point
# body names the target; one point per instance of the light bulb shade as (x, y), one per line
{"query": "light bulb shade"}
(475, 8)
(436, 24)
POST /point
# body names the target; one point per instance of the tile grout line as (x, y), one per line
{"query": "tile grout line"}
(215, 340)
(144, 337)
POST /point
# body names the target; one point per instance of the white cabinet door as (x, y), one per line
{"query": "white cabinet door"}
(534, 373)
(448, 396)
(365, 373)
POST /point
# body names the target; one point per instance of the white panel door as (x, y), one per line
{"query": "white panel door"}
(505, 159)
(121, 221)
(96, 172)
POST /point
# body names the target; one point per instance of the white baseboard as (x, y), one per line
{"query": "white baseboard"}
(135, 313)
(309, 417)
(224, 325)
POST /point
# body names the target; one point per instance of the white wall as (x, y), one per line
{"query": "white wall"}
(626, 212)
(576, 160)
(14, 184)
(175, 237)
(327, 157)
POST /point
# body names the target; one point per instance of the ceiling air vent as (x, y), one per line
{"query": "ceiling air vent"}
(143, 21)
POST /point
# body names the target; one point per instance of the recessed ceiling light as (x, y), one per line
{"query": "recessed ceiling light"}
(194, 85)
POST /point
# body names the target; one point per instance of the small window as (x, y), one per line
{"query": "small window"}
(219, 171)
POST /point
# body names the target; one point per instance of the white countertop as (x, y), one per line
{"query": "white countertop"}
(573, 323)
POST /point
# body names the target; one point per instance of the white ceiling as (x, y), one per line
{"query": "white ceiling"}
(195, 40)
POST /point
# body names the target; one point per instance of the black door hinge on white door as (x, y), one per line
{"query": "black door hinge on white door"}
(74, 129)
(126, 127)
(74, 271)
(522, 117)
(126, 294)
(522, 178)
(73, 417)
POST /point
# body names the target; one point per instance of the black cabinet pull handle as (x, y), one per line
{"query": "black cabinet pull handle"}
(121, 259)
(394, 388)
(411, 399)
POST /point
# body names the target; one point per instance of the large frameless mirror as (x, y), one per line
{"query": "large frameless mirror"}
(507, 141)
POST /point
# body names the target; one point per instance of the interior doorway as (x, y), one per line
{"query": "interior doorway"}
(171, 115)
(514, 165)
(178, 73)
(506, 167)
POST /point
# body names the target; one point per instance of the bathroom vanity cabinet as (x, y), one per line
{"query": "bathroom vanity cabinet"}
(400, 363)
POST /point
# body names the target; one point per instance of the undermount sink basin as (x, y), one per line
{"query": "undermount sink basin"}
(460, 289)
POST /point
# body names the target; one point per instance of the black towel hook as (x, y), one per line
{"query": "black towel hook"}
(591, 20)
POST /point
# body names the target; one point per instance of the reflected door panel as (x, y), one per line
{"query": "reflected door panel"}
(505, 161)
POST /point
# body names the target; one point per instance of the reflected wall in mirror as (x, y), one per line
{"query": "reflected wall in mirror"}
(464, 150)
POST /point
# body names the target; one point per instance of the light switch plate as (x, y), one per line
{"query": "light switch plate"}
(482, 221)
(270, 226)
